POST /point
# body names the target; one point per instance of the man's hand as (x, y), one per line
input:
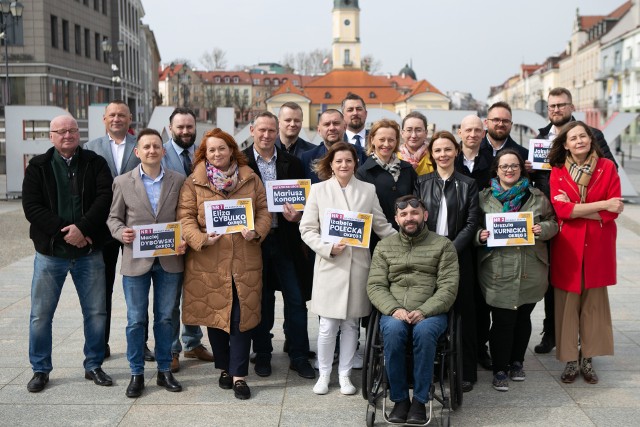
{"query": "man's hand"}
(415, 317)
(528, 166)
(290, 214)
(128, 235)
(402, 314)
(74, 236)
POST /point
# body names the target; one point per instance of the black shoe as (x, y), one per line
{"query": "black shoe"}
(263, 366)
(400, 412)
(241, 390)
(484, 359)
(149, 356)
(467, 386)
(167, 380)
(107, 351)
(136, 385)
(99, 377)
(38, 382)
(547, 344)
(303, 368)
(225, 381)
(417, 413)
(285, 348)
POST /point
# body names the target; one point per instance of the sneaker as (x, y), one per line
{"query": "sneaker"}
(345, 385)
(516, 372)
(358, 361)
(501, 381)
(570, 372)
(588, 373)
(322, 386)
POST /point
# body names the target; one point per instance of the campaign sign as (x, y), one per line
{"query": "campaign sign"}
(539, 153)
(350, 228)
(294, 191)
(156, 239)
(510, 229)
(228, 216)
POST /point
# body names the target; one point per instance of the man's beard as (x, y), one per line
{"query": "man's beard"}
(183, 144)
(419, 228)
(559, 123)
(495, 136)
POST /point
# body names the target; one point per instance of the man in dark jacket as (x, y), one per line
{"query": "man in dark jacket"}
(66, 196)
(560, 107)
(413, 282)
(290, 125)
(284, 265)
(498, 123)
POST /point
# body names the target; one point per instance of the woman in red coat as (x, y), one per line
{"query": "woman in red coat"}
(585, 193)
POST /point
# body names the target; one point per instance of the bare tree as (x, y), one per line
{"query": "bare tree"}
(306, 63)
(370, 64)
(214, 60)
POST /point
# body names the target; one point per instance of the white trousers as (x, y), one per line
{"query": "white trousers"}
(328, 330)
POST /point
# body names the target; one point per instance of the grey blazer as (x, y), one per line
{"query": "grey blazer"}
(103, 148)
(131, 206)
(172, 160)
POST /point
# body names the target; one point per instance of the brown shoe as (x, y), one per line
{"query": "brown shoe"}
(570, 372)
(175, 363)
(200, 353)
(588, 373)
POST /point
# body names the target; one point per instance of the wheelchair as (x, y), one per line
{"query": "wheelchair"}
(447, 371)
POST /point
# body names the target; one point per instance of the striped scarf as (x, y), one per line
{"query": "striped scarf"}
(581, 175)
(511, 199)
(393, 167)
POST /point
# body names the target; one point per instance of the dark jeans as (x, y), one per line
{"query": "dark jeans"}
(231, 351)
(110, 253)
(279, 272)
(509, 335)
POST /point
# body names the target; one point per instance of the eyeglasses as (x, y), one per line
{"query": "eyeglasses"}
(63, 132)
(496, 122)
(513, 167)
(411, 131)
(560, 106)
(414, 203)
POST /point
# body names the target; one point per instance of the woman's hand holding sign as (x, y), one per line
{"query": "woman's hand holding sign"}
(212, 238)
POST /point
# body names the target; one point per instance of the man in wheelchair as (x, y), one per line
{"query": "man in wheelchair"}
(413, 282)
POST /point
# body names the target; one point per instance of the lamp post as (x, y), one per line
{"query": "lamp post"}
(8, 9)
(116, 69)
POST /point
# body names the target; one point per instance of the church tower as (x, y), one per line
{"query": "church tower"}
(346, 35)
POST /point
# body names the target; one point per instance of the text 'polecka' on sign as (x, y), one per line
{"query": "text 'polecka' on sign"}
(156, 239)
(539, 153)
(294, 191)
(350, 228)
(228, 216)
(510, 229)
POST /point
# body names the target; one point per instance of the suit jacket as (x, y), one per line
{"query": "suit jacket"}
(339, 282)
(172, 160)
(131, 206)
(309, 157)
(299, 147)
(103, 148)
(288, 233)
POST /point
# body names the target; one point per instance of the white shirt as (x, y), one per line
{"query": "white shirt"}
(553, 132)
(363, 135)
(117, 150)
(468, 163)
(442, 226)
(179, 149)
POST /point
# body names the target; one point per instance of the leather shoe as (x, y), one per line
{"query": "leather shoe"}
(241, 390)
(417, 413)
(285, 348)
(166, 380)
(38, 382)
(136, 385)
(263, 366)
(107, 351)
(175, 363)
(99, 377)
(467, 386)
(225, 381)
(546, 344)
(200, 353)
(303, 368)
(400, 412)
(149, 356)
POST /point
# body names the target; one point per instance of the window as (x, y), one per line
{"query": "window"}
(296, 83)
(372, 94)
(226, 80)
(96, 45)
(54, 31)
(104, 7)
(267, 82)
(276, 82)
(87, 43)
(347, 57)
(236, 79)
(78, 39)
(256, 81)
(96, 5)
(327, 95)
(217, 79)
(65, 35)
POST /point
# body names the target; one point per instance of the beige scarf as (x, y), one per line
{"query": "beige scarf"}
(581, 175)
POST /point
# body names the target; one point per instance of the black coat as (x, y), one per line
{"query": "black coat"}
(288, 233)
(308, 159)
(40, 200)
(299, 147)
(481, 168)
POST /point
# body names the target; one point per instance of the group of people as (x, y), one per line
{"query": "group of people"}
(427, 198)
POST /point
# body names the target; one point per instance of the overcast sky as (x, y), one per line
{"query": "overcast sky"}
(466, 45)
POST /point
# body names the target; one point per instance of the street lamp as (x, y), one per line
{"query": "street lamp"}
(8, 9)
(116, 69)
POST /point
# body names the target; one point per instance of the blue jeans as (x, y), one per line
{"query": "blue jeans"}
(136, 294)
(191, 334)
(424, 336)
(49, 274)
(279, 269)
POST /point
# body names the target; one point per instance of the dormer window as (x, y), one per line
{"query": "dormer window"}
(327, 95)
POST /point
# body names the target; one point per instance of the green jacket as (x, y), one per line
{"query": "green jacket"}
(418, 272)
(515, 275)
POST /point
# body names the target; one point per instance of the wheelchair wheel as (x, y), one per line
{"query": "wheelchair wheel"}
(371, 415)
(372, 369)
(455, 366)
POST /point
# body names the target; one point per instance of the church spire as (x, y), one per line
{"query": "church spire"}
(346, 35)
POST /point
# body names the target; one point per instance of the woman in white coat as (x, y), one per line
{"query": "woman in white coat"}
(339, 294)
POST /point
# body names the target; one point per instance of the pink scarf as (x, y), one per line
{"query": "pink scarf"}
(413, 159)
